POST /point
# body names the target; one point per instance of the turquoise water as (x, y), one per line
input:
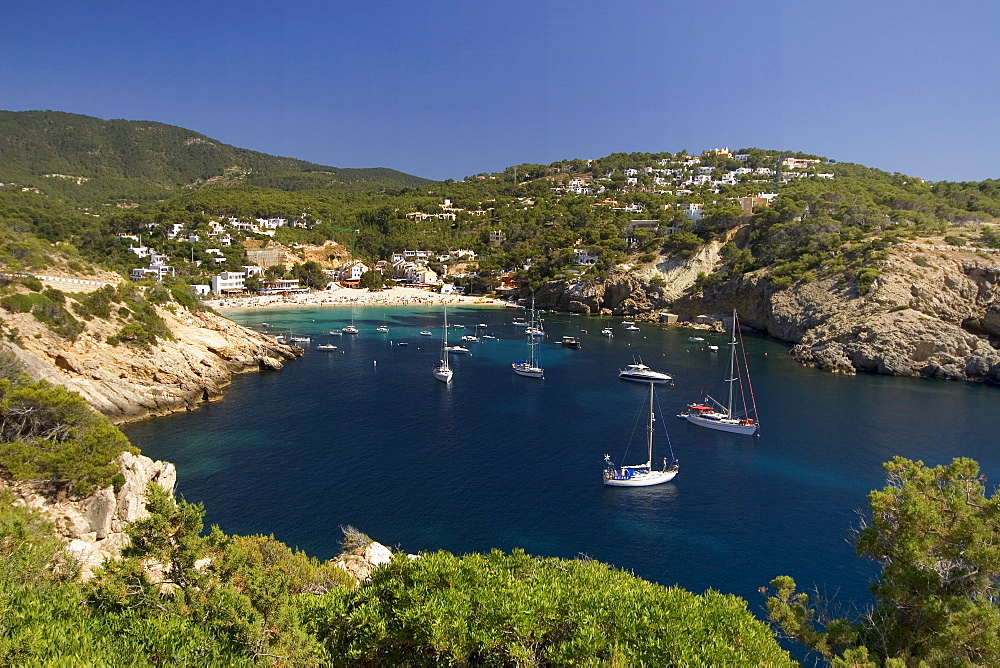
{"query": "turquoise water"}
(365, 436)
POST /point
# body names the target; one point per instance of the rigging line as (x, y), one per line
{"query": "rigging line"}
(753, 399)
(665, 432)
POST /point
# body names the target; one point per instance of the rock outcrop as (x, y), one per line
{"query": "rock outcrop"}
(934, 311)
(93, 527)
(128, 383)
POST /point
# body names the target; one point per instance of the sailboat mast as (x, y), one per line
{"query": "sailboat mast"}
(732, 368)
(649, 436)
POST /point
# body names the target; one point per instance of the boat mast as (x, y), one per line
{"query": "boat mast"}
(444, 338)
(732, 368)
(649, 436)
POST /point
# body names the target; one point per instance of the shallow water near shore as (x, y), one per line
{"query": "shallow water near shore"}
(364, 436)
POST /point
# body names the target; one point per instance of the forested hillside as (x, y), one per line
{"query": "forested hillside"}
(94, 161)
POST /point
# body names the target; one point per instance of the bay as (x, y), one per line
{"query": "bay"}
(364, 436)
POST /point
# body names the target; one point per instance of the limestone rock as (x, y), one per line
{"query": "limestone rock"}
(361, 565)
(93, 527)
(127, 383)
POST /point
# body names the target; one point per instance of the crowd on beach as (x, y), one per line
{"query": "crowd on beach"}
(395, 296)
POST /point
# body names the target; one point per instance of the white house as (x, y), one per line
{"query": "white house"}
(228, 282)
(352, 271)
(587, 255)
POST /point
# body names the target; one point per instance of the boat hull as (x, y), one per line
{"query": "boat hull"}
(644, 378)
(444, 375)
(722, 424)
(528, 371)
(640, 479)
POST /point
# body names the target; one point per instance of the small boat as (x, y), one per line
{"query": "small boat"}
(350, 329)
(402, 343)
(570, 342)
(336, 333)
(643, 374)
(632, 328)
(326, 346)
(482, 324)
(713, 348)
(469, 337)
(489, 336)
(627, 322)
(713, 414)
(643, 475)
(607, 332)
(460, 350)
(382, 328)
(520, 322)
(280, 338)
(535, 331)
(442, 370)
(458, 326)
(424, 332)
(696, 339)
(299, 339)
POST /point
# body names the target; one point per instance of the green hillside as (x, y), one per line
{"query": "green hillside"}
(93, 161)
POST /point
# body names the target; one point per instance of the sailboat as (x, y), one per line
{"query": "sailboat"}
(715, 415)
(442, 370)
(531, 367)
(642, 475)
(350, 329)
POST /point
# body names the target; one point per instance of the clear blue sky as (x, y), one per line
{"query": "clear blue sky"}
(451, 88)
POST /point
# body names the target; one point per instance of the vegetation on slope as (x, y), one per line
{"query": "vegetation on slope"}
(94, 161)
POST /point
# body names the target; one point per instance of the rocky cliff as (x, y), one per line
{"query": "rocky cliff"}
(127, 382)
(93, 527)
(934, 311)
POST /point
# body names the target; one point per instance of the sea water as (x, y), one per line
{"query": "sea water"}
(365, 436)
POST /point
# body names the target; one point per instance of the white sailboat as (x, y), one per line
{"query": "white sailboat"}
(350, 329)
(442, 370)
(642, 475)
(713, 414)
(531, 367)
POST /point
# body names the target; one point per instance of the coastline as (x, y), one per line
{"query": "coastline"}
(340, 296)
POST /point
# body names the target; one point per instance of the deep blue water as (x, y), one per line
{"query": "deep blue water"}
(365, 436)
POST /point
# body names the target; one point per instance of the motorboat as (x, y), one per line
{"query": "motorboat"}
(641, 373)
(460, 350)
(607, 332)
(632, 328)
(326, 346)
(570, 342)
(425, 332)
(696, 339)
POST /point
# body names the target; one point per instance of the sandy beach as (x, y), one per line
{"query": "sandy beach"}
(393, 297)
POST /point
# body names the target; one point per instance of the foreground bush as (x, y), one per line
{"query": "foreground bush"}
(515, 609)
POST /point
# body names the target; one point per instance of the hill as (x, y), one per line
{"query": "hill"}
(92, 161)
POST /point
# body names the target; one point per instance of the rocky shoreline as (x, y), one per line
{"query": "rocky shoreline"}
(128, 383)
(934, 311)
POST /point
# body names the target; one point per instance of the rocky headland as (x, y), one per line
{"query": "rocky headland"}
(934, 310)
(127, 382)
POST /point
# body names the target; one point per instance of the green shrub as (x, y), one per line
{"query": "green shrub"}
(58, 319)
(866, 278)
(31, 283)
(955, 241)
(49, 433)
(499, 609)
(134, 333)
(921, 260)
(20, 302)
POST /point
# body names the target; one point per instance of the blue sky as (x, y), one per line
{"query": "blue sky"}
(448, 89)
